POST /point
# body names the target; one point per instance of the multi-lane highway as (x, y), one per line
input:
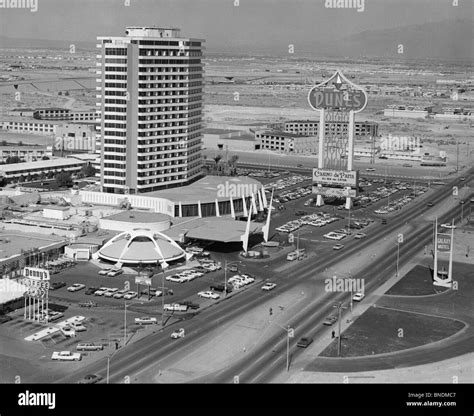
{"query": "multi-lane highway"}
(262, 364)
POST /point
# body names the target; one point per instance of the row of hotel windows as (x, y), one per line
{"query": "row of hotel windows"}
(109, 69)
(156, 61)
(209, 209)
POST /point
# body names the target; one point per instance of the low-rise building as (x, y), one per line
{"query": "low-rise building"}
(408, 111)
(285, 142)
(16, 171)
(25, 153)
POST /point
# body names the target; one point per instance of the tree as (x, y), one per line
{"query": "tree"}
(88, 171)
(12, 159)
(63, 179)
(3, 143)
(45, 158)
(66, 93)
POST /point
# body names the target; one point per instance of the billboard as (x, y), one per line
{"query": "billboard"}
(336, 192)
(337, 93)
(36, 274)
(142, 280)
(343, 178)
(443, 242)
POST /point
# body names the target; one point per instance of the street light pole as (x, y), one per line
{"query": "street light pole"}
(288, 349)
(163, 297)
(125, 323)
(108, 366)
(398, 254)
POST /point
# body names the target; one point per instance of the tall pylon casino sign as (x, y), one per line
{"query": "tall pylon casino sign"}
(338, 100)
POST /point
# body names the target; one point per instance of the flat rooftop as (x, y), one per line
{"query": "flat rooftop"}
(206, 189)
(40, 164)
(12, 242)
(138, 217)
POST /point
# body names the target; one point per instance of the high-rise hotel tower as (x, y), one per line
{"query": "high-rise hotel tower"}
(150, 84)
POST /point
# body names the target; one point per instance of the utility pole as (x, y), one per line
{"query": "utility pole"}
(339, 307)
(457, 154)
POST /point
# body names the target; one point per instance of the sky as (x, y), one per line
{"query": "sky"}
(265, 22)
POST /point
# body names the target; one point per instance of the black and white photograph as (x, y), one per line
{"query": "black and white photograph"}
(198, 193)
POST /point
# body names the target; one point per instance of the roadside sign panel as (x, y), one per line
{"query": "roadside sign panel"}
(337, 192)
(443, 242)
(142, 280)
(347, 178)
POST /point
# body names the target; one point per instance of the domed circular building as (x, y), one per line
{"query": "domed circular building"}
(141, 246)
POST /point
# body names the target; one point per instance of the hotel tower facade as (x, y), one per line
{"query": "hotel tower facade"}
(150, 85)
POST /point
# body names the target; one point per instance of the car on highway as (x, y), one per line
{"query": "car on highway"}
(358, 297)
(462, 178)
(330, 320)
(269, 286)
(90, 379)
(103, 272)
(430, 204)
(130, 295)
(66, 356)
(75, 287)
(304, 342)
(115, 272)
(370, 169)
(57, 285)
(358, 236)
(338, 247)
(89, 346)
(208, 295)
(146, 320)
(179, 333)
(448, 226)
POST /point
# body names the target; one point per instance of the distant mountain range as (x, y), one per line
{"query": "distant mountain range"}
(448, 40)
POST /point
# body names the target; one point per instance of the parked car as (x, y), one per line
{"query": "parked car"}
(103, 272)
(208, 295)
(75, 287)
(77, 326)
(90, 379)
(89, 304)
(91, 290)
(68, 331)
(89, 346)
(146, 320)
(338, 247)
(360, 235)
(66, 356)
(304, 342)
(179, 333)
(115, 272)
(101, 291)
(190, 305)
(130, 295)
(120, 294)
(56, 285)
(110, 292)
(268, 286)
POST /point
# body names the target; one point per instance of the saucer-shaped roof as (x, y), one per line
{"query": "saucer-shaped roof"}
(141, 246)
